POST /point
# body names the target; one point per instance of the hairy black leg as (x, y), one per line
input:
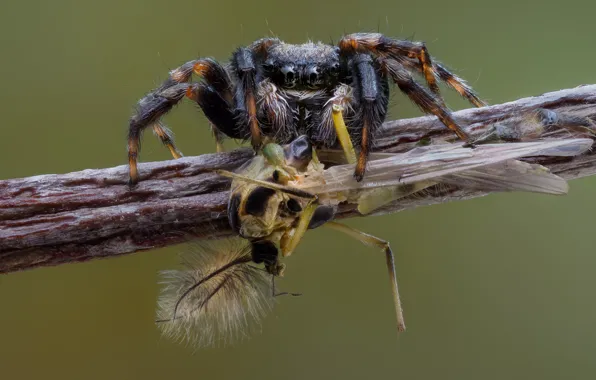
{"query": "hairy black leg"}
(160, 101)
(452, 80)
(421, 97)
(218, 111)
(372, 94)
(149, 110)
(411, 54)
(218, 136)
(246, 64)
(166, 137)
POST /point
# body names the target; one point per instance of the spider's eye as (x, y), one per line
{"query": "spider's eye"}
(312, 74)
(289, 74)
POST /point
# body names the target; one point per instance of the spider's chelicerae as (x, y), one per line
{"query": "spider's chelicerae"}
(276, 90)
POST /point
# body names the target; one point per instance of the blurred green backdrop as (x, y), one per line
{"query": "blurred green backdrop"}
(511, 297)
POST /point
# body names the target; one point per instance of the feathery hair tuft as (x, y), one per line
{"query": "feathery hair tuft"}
(219, 297)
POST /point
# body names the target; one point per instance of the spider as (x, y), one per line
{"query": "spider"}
(272, 90)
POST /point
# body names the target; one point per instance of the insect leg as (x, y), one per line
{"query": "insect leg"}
(290, 241)
(373, 199)
(370, 240)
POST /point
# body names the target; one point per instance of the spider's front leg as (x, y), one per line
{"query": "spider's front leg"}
(422, 98)
(212, 95)
(246, 64)
(413, 55)
(372, 97)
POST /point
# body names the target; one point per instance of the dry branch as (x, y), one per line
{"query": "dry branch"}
(61, 218)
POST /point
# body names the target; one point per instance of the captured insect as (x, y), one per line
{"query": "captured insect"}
(275, 90)
(286, 190)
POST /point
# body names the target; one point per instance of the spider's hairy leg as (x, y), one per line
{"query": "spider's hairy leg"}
(422, 98)
(414, 55)
(152, 107)
(217, 135)
(459, 85)
(373, 94)
(246, 63)
(380, 45)
(370, 240)
(149, 111)
(165, 135)
(452, 80)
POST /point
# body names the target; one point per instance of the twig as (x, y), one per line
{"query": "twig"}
(53, 219)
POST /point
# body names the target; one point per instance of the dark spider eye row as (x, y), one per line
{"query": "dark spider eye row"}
(292, 76)
(279, 90)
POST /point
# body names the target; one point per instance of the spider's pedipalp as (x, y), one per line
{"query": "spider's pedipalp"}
(343, 96)
(275, 111)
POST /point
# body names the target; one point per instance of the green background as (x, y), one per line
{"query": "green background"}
(498, 287)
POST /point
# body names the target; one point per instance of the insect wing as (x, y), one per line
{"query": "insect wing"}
(434, 162)
(510, 175)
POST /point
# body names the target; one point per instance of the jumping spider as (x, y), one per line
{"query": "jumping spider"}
(279, 91)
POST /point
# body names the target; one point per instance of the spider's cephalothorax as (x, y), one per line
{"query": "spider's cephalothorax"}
(278, 91)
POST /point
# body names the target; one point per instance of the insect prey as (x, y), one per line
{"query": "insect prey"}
(285, 191)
